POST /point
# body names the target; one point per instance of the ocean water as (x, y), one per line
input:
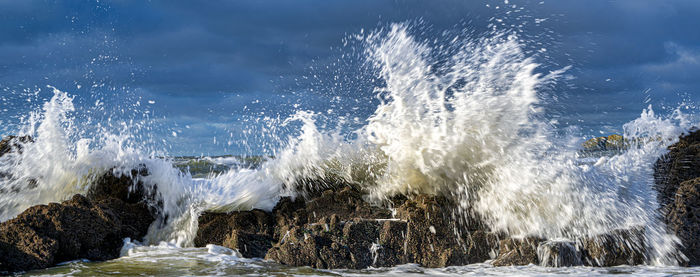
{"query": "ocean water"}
(169, 260)
(463, 119)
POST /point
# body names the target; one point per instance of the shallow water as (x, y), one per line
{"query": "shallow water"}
(168, 260)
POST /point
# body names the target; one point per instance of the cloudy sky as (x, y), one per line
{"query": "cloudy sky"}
(203, 71)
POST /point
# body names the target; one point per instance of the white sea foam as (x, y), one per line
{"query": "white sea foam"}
(461, 120)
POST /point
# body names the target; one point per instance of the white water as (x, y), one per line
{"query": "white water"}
(462, 120)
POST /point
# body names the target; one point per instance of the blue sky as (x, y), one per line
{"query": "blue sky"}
(210, 67)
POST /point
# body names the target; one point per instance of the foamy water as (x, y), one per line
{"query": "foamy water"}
(463, 120)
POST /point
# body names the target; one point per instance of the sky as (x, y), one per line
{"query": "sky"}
(205, 73)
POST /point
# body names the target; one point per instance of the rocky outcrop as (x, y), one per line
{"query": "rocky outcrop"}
(619, 247)
(91, 227)
(683, 218)
(339, 229)
(13, 143)
(676, 176)
(248, 231)
(558, 253)
(513, 251)
(611, 142)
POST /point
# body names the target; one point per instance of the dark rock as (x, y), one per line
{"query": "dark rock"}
(684, 219)
(483, 246)
(619, 247)
(339, 229)
(288, 213)
(681, 163)
(250, 245)
(675, 176)
(558, 254)
(391, 246)
(611, 142)
(44, 235)
(125, 187)
(232, 230)
(515, 251)
(347, 245)
(432, 237)
(13, 143)
(346, 203)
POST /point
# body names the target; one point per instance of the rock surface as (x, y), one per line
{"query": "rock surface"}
(676, 177)
(683, 218)
(514, 251)
(338, 229)
(91, 227)
(558, 253)
(619, 247)
(13, 143)
(611, 142)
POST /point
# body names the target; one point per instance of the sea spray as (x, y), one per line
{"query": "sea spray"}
(463, 120)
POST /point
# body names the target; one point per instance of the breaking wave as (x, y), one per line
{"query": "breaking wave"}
(463, 120)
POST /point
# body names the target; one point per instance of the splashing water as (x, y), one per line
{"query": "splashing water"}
(462, 120)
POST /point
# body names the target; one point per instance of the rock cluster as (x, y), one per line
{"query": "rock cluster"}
(677, 177)
(338, 229)
(611, 142)
(91, 227)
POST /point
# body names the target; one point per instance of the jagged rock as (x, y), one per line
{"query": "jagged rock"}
(346, 204)
(516, 251)
(558, 253)
(390, 249)
(619, 247)
(432, 238)
(483, 246)
(681, 163)
(248, 231)
(44, 235)
(250, 245)
(684, 219)
(675, 176)
(339, 229)
(13, 143)
(611, 142)
(121, 186)
(307, 247)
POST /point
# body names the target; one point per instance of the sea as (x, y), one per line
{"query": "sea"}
(463, 119)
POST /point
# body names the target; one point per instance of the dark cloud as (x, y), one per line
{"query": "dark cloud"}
(204, 61)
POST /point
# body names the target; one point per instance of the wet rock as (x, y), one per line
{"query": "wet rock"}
(329, 245)
(250, 245)
(675, 176)
(347, 203)
(681, 163)
(339, 229)
(126, 186)
(13, 143)
(248, 231)
(683, 219)
(558, 254)
(483, 246)
(390, 249)
(611, 142)
(44, 235)
(619, 247)
(432, 237)
(516, 251)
